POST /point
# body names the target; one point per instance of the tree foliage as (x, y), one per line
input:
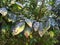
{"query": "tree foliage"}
(29, 22)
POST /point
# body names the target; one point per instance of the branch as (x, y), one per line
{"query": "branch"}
(40, 14)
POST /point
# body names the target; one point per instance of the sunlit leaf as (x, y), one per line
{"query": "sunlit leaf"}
(29, 22)
(18, 28)
(19, 4)
(13, 1)
(3, 30)
(19, 7)
(3, 11)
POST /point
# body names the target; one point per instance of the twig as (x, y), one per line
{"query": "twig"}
(40, 14)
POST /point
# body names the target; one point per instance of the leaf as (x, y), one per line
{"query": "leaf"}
(19, 4)
(13, 1)
(29, 22)
(18, 28)
(51, 33)
(36, 26)
(3, 11)
(47, 26)
(19, 7)
(40, 31)
(11, 17)
(27, 32)
(3, 30)
(44, 27)
(52, 21)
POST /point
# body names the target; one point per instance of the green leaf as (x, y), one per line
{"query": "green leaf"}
(27, 32)
(18, 28)
(51, 33)
(29, 22)
(3, 11)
